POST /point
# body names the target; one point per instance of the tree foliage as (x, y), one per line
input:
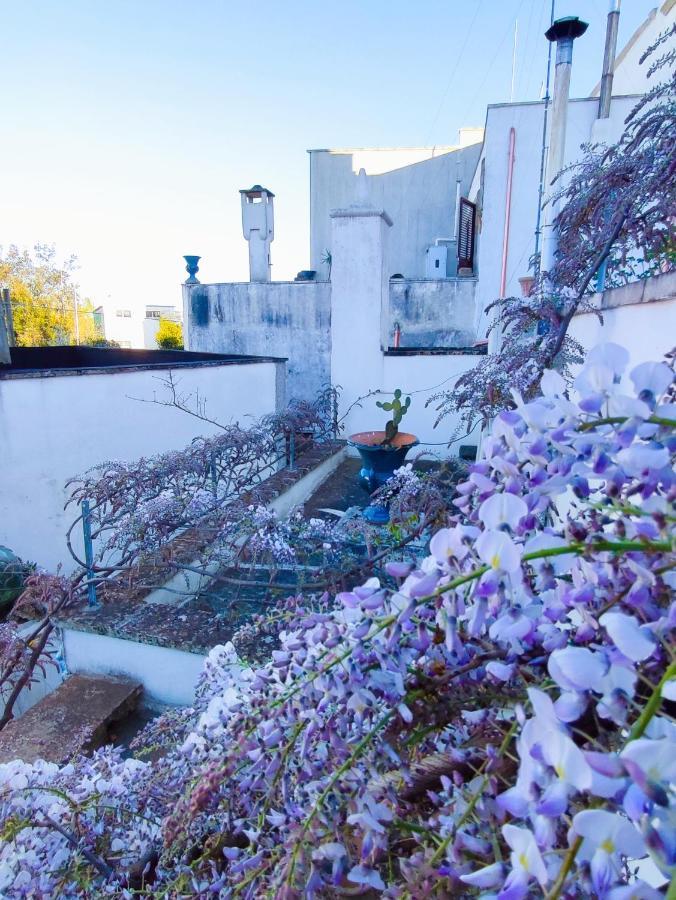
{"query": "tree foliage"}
(44, 298)
(169, 335)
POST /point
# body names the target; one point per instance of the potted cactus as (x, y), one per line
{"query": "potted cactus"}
(383, 451)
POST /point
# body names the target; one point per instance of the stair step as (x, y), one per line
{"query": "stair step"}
(75, 717)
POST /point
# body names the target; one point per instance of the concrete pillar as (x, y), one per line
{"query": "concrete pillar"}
(359, 309)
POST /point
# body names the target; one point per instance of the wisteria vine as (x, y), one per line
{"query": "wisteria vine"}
(495, 721)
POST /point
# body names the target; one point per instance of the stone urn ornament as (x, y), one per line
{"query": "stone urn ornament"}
(192, 268)
(382, 452)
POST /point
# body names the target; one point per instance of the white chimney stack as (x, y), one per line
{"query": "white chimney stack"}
(258, 225)
(563, 32)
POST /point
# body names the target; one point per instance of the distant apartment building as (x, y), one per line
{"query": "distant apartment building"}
(129, 329)
(151, 322)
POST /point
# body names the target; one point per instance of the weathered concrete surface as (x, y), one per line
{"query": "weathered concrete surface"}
(75, 717)
(433, 313)
(283, 318)
(417, 187)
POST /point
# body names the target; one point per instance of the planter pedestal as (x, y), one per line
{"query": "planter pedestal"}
(378, 464)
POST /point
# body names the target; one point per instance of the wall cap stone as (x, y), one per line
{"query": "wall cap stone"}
(360, 212)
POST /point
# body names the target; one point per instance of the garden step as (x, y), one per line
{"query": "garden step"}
(75, 717)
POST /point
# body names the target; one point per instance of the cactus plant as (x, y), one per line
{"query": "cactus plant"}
(398, 410)
(13, 573)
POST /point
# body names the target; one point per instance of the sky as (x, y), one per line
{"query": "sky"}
(129, 126)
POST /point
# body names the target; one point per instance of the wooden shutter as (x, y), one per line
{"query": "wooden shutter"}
(466, 234)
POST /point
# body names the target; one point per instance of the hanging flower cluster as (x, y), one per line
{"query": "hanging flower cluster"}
(497, 725)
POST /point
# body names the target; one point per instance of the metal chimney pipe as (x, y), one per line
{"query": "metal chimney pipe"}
(562, 32)
(609, 59)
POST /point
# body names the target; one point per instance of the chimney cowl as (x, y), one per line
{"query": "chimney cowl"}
(568, 27)
(256, 191)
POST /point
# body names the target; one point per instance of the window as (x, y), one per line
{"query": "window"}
(125, 344)
(466, 234)
(153, 314)
(123, 313)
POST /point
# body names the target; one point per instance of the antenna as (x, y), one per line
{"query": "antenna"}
(516, 31)
(543, 155)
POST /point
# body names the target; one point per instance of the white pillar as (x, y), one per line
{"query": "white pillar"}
(258, 226)
(359, 308)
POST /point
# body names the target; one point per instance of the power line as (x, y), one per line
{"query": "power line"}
(453, 71)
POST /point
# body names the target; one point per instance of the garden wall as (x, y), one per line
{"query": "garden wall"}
(57, 423)
(279, 318)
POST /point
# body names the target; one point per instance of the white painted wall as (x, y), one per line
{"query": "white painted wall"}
(125, 330)
(167, 675)
(640, 316)
(417, 187)
(359, 295)
(421, 377)
(360, 329)
(52, 428)
(526, 118)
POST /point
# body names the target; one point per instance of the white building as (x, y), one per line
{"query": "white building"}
(151, 323)
(122, 324)
(410, 246)
(419, 188)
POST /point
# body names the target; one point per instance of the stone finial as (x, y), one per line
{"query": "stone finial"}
(362, 192)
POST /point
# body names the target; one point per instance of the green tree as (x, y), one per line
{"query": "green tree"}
(169, 335)
(45, 300)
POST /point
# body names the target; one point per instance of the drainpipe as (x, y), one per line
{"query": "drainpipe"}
(508, 212)
(562, 32)
(456, 218)
(609, 60)
(397, 335)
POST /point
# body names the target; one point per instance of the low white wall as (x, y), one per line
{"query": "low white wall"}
(44, 682)
(55, 427)
(167, 675)
(421, 376)
(640, 316)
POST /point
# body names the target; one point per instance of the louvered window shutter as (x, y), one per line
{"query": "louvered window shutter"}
(466, 234)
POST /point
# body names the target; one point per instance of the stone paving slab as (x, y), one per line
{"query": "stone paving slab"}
(75, 717)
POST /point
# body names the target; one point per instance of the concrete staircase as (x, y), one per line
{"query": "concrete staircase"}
(76, 716)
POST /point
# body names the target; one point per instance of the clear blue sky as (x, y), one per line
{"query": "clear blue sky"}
(130, 125)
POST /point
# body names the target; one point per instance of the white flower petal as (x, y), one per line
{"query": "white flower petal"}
(626, 633)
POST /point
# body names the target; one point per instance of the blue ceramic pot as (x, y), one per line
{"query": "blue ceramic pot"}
(379, 461)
